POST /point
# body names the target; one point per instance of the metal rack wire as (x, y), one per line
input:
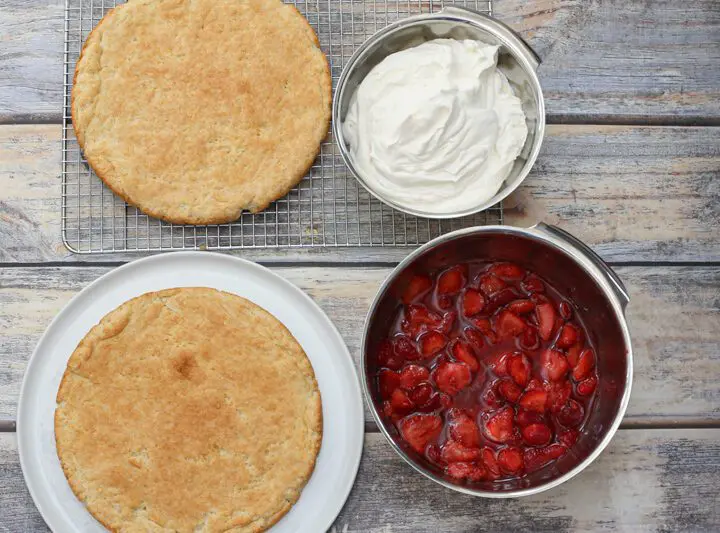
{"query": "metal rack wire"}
(327, 208)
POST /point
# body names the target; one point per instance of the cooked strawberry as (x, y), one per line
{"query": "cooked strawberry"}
(462, 428)
(509, 325)
(388, 381)
(387, 410)
(509, 390)
(507, 271)
(490, 284)
(499, 363)
(535, 400)
(431, 343)
(521, 307)
(444, 301)
(432, 452)
(500, 299)
(412, 375)
(499, 427)
(525, 418)
(536, 434)
(469, 471)
(571, 414)
(472, 302)
(432, 404)
(405, 348)
(585, 365)
(447, 322)
(569, 335)
(568, 437)
(474, 338)
(463, 353)
(452, 452)
(419, 429)
(546, 317)
(587, 386)
(451, 377)
(400, 401)
(534, 384)
(483, 324)
(490, 462)
(386, 356)
(510, 460)
(529, 339)
(533, 284)
(554, 365)
(419, 314)
(535, 458)
(451, 281)
(565, 310)
(519, 368)
(417, 286)
(421, 394)
(558, 395)
(446, 401)
(491, 398)
(573, 354)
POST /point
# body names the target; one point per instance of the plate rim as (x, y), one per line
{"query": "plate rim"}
(175, 256)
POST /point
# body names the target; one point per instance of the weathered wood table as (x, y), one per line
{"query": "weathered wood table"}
(630, 164)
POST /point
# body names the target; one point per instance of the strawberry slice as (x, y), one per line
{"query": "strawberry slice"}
(509, 325)
(490, 284)
(587, 386)
(536, 458)
(386, 356)
(507, 271)
(453, 452)
(533, 284)
(558, 395)
(565, 310)
(569, 335)
(546, 320)
(499, 427)
(525, 418)
(536, 434)
(491, 398)
(463, 428)
(535, 400)
(571, 414)
(490, 462)
(419, 314)
(474, 338)
(568, 437)
(412, 375)
(585, 365)
(451, 281)
(510, 460)
(499, 364)
(499, 299)
(509, 390)
(519, 368)
(447, 322)
(469, 471)
(554, 365)
(483, 324)
(419, 429)
(388, 381)
(444, 301)
(462, 352)
(421, 394)
(405, 348)
(451, 377)
(573, 354)
(431, 343)
(529, 339)
(417, 286)
(534, 384)
(472, 302)
(521, 307)
(400, 402)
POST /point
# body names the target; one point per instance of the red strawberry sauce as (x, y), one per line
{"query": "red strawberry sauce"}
(487, 371)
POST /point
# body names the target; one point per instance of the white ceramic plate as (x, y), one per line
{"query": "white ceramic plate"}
(343, 424)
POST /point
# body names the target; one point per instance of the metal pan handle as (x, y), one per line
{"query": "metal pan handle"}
(501, 29)
(610, 275)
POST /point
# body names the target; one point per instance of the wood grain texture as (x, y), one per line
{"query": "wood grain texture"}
(673, 316)
(646, 480)
(634, 193)
(609, 60)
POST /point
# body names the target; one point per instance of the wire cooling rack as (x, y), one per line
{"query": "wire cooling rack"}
(327, 208)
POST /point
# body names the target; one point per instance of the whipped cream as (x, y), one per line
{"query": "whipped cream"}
(436, 128)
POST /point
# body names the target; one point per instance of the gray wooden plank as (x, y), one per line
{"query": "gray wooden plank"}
(634, 193)
(673, 319)
(646, 480)
(615, 60)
